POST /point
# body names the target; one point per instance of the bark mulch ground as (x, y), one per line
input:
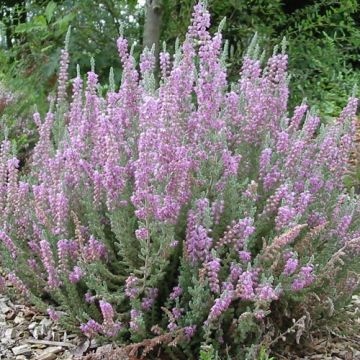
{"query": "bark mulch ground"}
(25, 334)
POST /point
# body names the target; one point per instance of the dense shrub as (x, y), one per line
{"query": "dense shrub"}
(195, 213)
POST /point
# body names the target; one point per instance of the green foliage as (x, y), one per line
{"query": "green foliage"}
(324, 39)
(263, 355)
(207, 352)
(29, 59)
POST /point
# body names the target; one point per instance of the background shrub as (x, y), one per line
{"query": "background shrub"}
(323, 39)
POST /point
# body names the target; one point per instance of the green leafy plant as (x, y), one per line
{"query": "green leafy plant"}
(193, 216)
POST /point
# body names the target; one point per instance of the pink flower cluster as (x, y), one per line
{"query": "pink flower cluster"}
(195, 196)
(108, 327)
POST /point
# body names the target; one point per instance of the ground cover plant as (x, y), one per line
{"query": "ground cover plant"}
(190, 216)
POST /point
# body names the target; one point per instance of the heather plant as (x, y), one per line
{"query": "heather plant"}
(194, 216)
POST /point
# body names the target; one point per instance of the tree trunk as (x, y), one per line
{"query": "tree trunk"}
(152, 25)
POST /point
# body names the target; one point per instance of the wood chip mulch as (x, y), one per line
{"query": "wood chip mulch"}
(26, 334)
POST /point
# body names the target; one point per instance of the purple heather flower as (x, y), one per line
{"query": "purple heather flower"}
(131, 289)
(245, 256)
(176, 312)
(164, 64)
(63, 75)
(230, 163)
(148, 301)
(235, 272)
(290, 266)
(198, 243)
(142, 234)
(237, 233)
(91, 328)
(76, 275)
(147, 61)
(266, 293)
(304, 278)
(94, 250)
(89, 298)
(8, 244)
(176, 292)
(343, 226)
(299, 113)
(265, 159)
(217, 208)
(109, 327)
(17, 283)
(49, 264)
(189, 331)
(259, 314)
(66, 249)
(54, 316)
(282, 142)
(107, 311)
(245, 286)
(310, 126)
(32, 264)
(213, 268)
(221, 304)
(172, 326)
(286, 215)
(135, 318)
(154, 152)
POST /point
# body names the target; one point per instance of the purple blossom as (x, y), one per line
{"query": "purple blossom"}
(238, 233)
(89, 298)
(286, 215)
(235, 272)
(217, 208)
(198, 241)
(304, 279)
(230, 163)
(189, 331)
(131, 289)
(213, 268)
(164, 64)
(8, 244)
(343, 226)
(299, 113)
(259, 314)
(266, 293)
(49, 264)
(148, 301)
(290, 266)
(176, 293)
(94, 250)
(245, 256)
(172, 326)
(66, 250)
(265, 159)
(231, 156)
(176, 312)
(17, 284)
(63, 75)
(221, 304)
(109, 327)
(76, 275)
(142, 234)
(135, 319)
(91, 328)
(245, 285)
(54, 315)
